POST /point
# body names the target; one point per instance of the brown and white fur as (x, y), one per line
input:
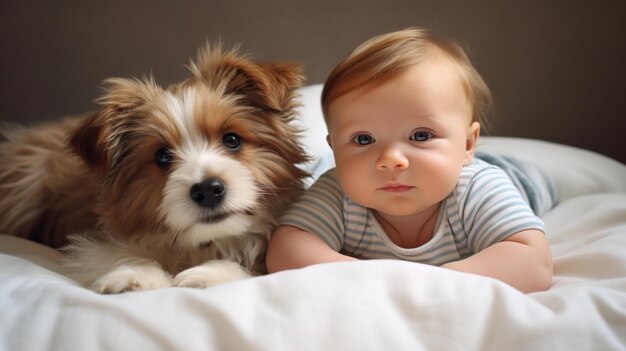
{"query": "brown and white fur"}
(165, 187)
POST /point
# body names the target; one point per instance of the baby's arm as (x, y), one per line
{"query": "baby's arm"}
(523, 260)
(291, 247)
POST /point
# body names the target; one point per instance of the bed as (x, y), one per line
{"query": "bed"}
(367, 305)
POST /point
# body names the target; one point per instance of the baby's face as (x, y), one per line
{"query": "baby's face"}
(399, 146)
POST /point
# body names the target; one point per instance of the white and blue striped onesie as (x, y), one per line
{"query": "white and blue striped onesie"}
(488, 204)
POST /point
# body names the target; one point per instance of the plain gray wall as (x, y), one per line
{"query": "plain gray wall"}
(557, 68)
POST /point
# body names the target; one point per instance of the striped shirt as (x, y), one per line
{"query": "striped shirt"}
(484, 208)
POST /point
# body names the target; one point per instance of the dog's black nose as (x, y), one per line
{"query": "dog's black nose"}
(208, 193)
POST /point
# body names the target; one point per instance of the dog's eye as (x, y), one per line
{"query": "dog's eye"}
(163, 157)
(232, 141)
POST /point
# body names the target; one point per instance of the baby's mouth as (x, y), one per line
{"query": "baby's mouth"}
(396, 188)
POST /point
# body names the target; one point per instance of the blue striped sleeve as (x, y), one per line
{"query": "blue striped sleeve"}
(494, 209)
(319, 211)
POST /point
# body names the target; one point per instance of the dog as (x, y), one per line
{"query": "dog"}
(177, 186)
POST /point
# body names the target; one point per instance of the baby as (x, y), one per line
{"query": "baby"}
(404, 112)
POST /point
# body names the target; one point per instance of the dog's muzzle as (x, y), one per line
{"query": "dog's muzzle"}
(209, 193)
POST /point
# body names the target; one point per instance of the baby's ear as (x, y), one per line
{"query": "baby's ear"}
(269, 86)
(99, 139)
(473, 132)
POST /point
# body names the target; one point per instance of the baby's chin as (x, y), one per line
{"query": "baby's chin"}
(399, 211)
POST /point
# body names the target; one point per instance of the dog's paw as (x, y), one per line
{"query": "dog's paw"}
(132, 278)
(209, 274)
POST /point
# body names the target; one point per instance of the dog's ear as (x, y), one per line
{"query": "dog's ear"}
(269, 86)
(98, 140)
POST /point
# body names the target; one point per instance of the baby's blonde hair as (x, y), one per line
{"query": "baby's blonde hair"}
(385, 56)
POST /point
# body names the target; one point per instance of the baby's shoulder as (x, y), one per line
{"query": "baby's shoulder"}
(328, 182)
(478, 176)
(478, 167)
(329, 177)
(480, 162)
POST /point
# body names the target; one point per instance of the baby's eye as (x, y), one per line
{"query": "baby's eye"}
(421, 135)
(363, 139)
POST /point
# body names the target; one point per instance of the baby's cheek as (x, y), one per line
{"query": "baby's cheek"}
(445, 176)
(353, 180)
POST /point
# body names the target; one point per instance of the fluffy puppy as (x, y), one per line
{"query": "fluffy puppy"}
(178, 186)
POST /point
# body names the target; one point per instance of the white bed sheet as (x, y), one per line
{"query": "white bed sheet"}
(368, 305)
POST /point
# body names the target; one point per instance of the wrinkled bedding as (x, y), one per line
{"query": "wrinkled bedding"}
(368, 305)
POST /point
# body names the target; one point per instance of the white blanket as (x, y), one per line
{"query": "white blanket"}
(368, 305)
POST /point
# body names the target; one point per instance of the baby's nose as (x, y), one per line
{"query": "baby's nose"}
(392, 158)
